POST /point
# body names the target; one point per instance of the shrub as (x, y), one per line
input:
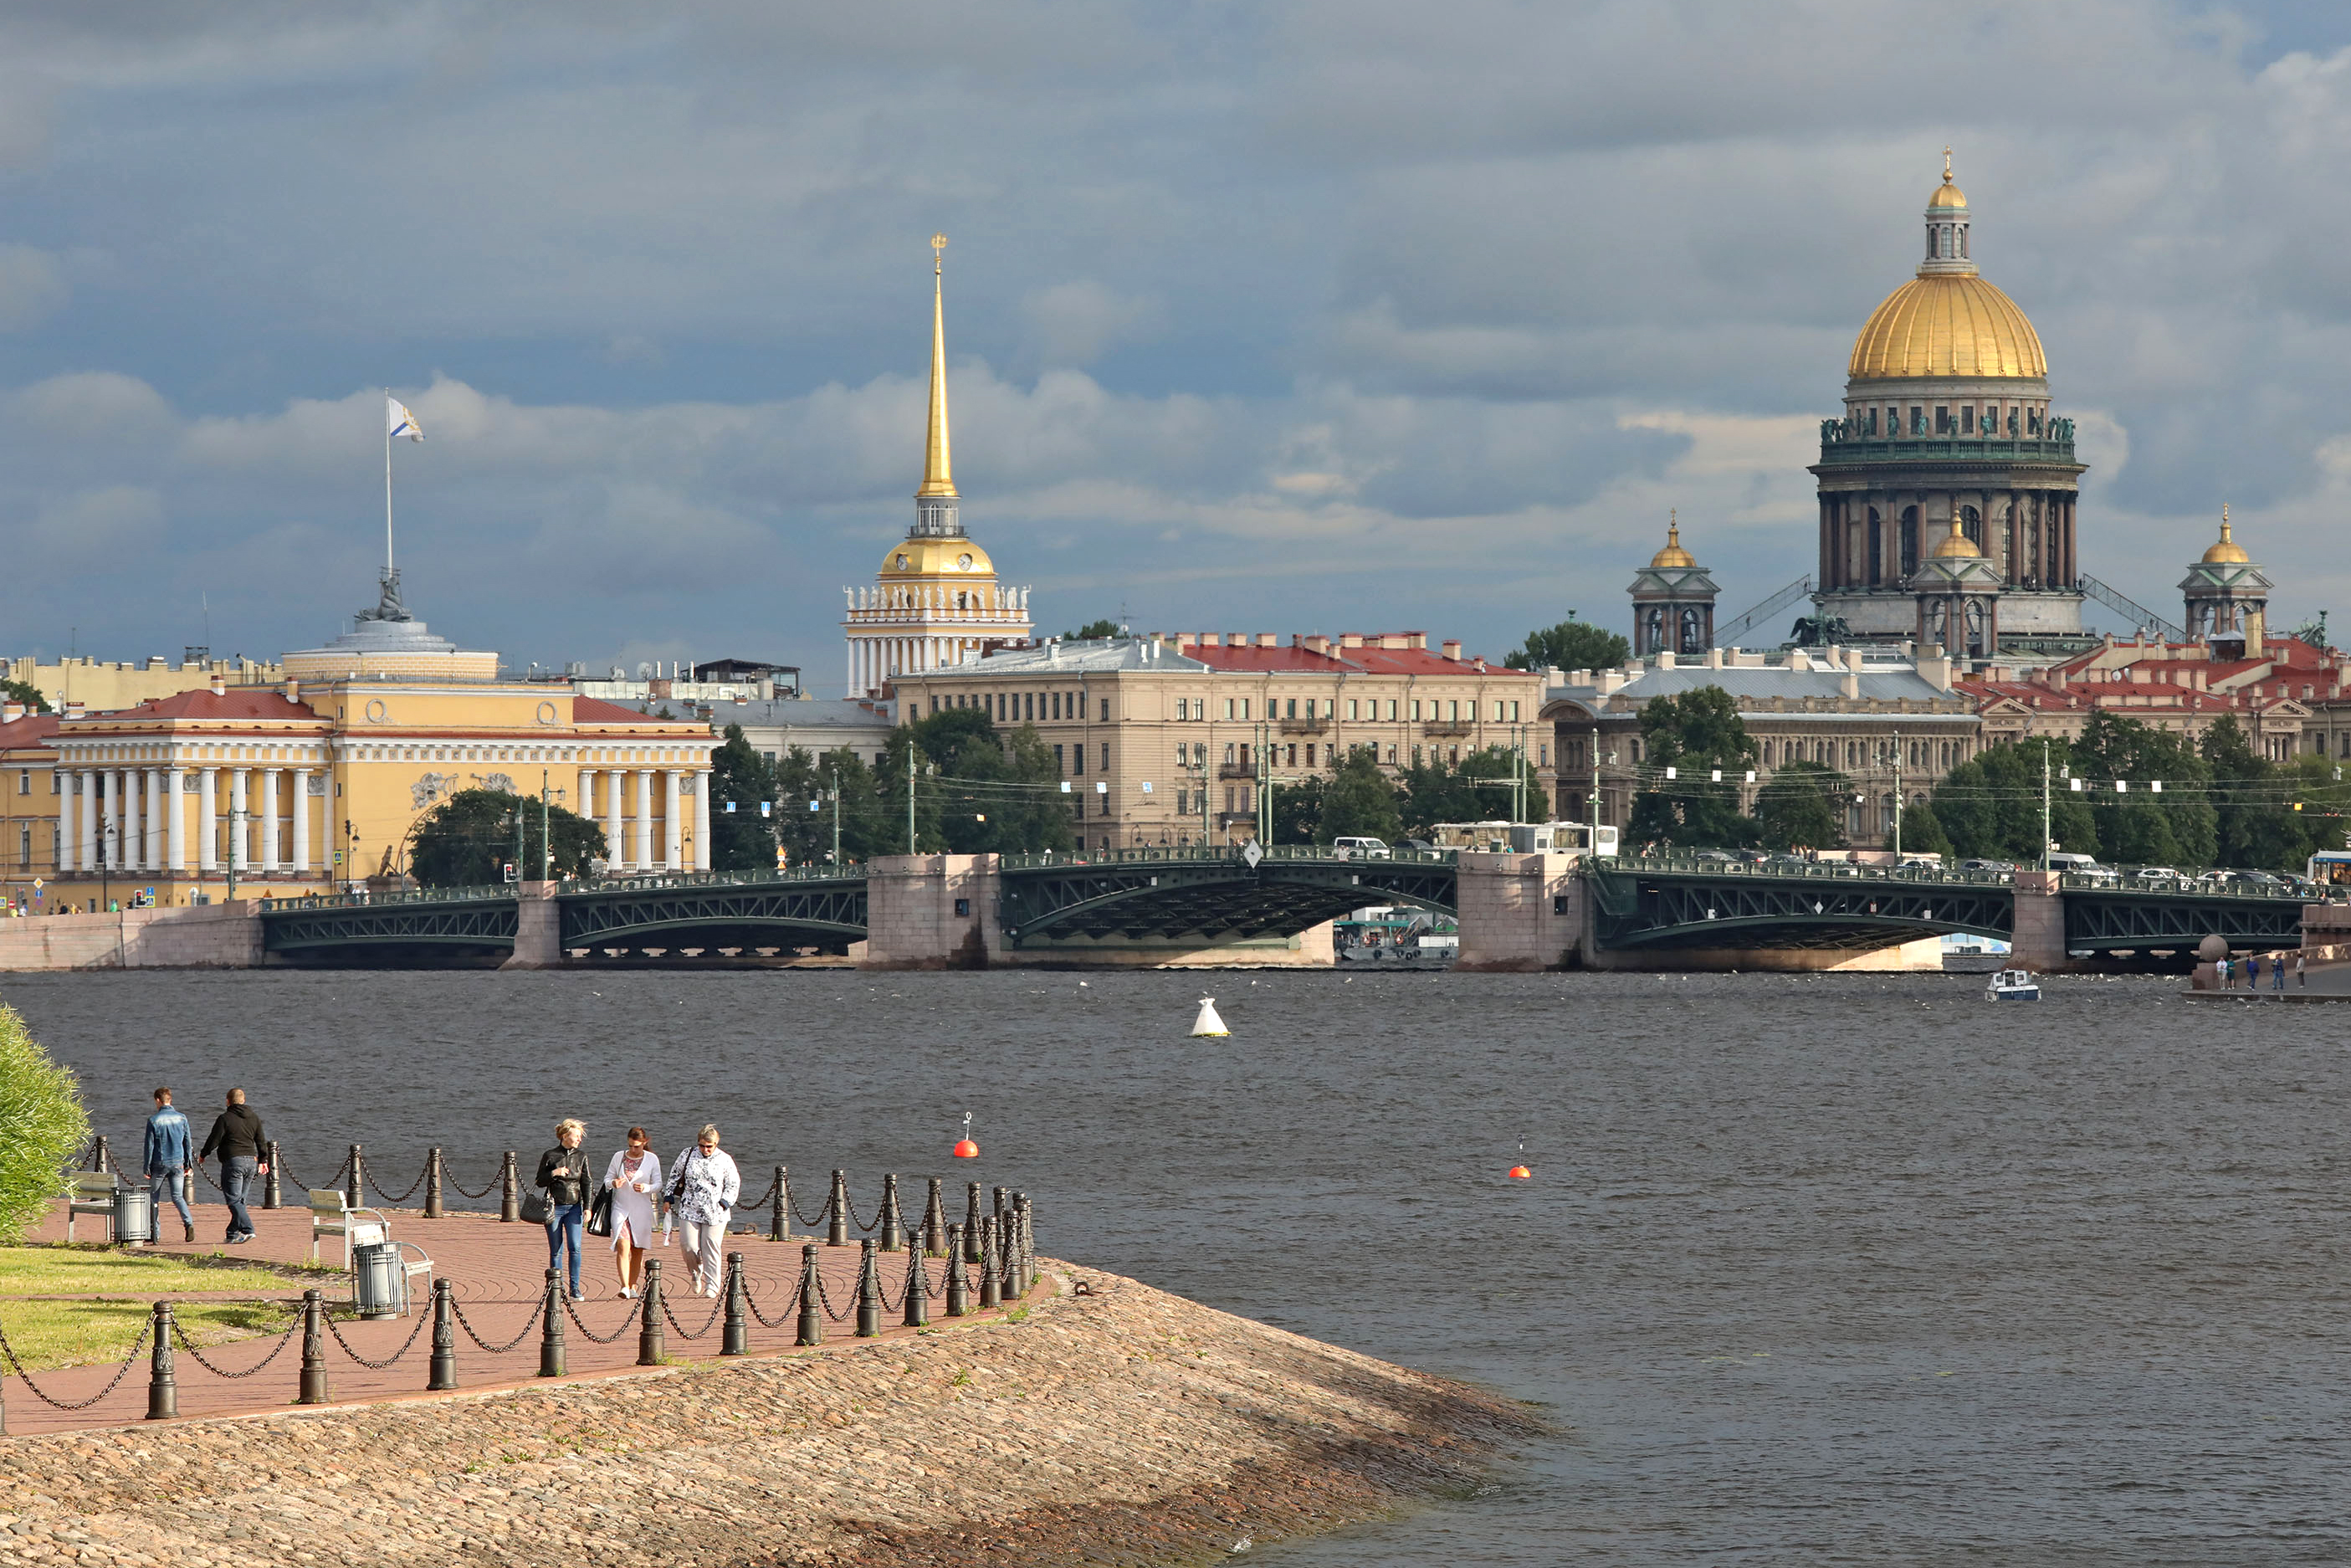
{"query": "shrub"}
(41, 1109)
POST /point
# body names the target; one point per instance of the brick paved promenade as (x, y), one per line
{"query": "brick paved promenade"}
(498, 1274)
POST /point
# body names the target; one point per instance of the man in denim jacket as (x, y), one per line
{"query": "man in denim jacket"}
(167, 1158)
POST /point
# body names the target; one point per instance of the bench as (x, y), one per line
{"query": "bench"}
(332, 1216)
(93, 1194)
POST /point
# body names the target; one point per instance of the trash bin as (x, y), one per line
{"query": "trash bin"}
(134, 1215)
(379, 1284)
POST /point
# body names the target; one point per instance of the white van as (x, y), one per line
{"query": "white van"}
(1363, 849)
(2082, 865)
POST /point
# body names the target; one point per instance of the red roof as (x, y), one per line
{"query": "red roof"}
(1297, 659)
(33, 731)
(596, 710)
(203, 703)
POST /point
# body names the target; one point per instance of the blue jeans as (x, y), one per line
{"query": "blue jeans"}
(168, 1182)
(236, 1175)
(563, 1225)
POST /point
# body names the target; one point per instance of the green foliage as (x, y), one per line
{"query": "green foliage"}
(1477, 789)
(741, 840)
(1572, 644)
(1694, 732)
(1360, 801)
(1093, 630)
(1989, 806)
(469, 837)
(25, 692)
(1922, 833)
(1297, 812)
(1801, 806)
(41, 1109)
(977, 790)
(2138, 827)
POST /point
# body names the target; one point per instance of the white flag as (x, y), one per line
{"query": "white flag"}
(398, 421)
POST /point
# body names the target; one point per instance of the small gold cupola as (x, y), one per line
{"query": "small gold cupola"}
(2226, 548)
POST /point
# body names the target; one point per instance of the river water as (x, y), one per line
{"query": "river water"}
(1823, 1269)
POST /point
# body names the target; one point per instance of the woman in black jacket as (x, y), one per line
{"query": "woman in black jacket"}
(563, 1172)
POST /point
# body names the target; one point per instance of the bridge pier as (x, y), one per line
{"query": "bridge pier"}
(538, 928)
(932, 912)
(1520, 913)
(2037, 941)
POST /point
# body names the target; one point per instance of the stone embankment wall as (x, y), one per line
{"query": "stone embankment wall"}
(1129, 1427)
(205, 937)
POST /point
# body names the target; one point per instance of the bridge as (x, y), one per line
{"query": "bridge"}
(1148, 903)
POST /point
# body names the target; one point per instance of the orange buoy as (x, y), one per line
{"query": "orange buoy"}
(967, 1150)
(1520, 1173)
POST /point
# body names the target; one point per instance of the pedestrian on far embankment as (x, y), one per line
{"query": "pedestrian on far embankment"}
(2253, 973)
(245, 1155)
(563, 1172)
(2222, 966)
(635, 1177)
(2301, 972)
(168, 1150)
(703, 1187)
(2277, 972)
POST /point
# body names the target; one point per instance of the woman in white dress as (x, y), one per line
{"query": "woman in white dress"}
(634, 1175)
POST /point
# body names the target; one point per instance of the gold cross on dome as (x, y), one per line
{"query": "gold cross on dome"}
(1947, 164)
(938, 252)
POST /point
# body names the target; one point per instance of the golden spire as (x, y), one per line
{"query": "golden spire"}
(1673, 554)
(2228, 548)
(1955, 546)
(939, 466)
(1947, 162)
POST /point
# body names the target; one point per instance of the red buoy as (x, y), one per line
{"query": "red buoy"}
(967, 1150)
(1520, 1173)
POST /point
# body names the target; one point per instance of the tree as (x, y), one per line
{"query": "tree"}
(1801, 806)
(2136, 825)
(1094, 631)
(469, 838)
(1359, 801)
(2255, 823)
(1297, 812)
(741, 781)
(1695, 734)
(1476, 790)
(1572, 644)
(1990, 805)
(25, 692)
(40, 1104)
(1922, 834)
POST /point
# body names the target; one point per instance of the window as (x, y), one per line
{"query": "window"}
(1967, 420)
(1415, 710)
(1392, 754)
(1543, 756)
(1293, 756)
(1228, 708)
(1350, 707)
(1228, 797)
(1456, 756)
(1058, 766)
(1416, 755)
(1514, 712)
(1183, 803)
(25, 846)
(1310, 754)
(1105, 762)
(1245, 702)
(1455, 703)
(1942, 419)
(1392, 710)
(56, 783)
(1229, 754)
(1078, 756)
(1054, 703)
(1293, 708)
(1917, 420)
(1105, 711)
(963, 906)
(25, 782)
(1183, 709)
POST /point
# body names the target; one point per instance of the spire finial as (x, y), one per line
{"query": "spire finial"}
(1673, 524)
(2224, 520)
(1947, 162)
(938, 466)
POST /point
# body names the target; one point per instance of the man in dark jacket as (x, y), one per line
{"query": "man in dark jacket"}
(166, 1158)
(236, 1134)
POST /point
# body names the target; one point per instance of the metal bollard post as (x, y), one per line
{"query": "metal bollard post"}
(1009, 1256)
(550, 1337)
(991, 1283)
(509, 1199)
(918, 1305)
(648, 1313)
(1020, 1243)
(433, 1182)
(971, 1222)
(934, 1220)
(958, 1287)
(893, 1227)
(734, 1338)
(188, 1193)
(272, 1195)
(101, 1159)
(162, 1388)
(812, 1325)
(445, 1339)
(837, 1205)
(355, 1195)
(779, 1225)
(869, 1291)
(314, 1350)
(1003, 1196)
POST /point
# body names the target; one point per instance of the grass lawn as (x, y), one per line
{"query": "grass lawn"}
(47, 1334)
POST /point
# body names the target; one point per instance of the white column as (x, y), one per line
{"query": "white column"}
(175, 820)
(158, 809)
(616, 851)
(110, 818)
(240, 852)
(207, 814)
(673, 822)
(301, 820)
(86, 856)
(65, 821)
(644, 858)
(700, 784)
(269, 836)
(126, 818)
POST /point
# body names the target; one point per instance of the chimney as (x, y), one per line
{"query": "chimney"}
(2256, 624)
(1416, 639)
(1554, 675)
(1609, 682)
(1393, 640)
(293, 690)
(220, 684)
(1850, 685)
(1268, 640)
(1351, 638)
(1664, 656)
(10, 712)
(1714, 658)
(1236, 639)
(1799, 659)
(74, 708)
(1579, 677)
(1453, 649)
(1318, 642)
(1934, 668)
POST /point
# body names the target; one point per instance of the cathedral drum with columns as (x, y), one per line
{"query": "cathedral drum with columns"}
(936, 603)
(1946, 454)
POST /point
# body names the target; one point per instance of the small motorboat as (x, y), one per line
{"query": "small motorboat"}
(2012, 986)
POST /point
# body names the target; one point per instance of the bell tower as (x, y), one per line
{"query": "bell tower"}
(1673, 600)
(2225, 590)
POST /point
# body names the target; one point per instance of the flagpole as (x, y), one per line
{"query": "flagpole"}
(387, 482)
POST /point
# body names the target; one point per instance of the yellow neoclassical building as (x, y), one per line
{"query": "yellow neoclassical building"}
(313, 784)
(936, 604)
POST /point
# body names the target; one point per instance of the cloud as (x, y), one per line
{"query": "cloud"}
(32, 286)
(1073, 324)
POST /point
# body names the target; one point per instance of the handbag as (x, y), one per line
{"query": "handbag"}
(534, 1207)
(600, 1213)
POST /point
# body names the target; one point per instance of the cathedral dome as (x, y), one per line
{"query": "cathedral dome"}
(1948, 324)
(2226, 550)
(1947, 194)
(1956, 545)
(1673, 554)
(953, 557)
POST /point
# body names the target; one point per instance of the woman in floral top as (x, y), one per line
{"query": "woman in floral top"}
(703, 1187)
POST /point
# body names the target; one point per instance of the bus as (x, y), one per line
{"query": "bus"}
(2331, 870)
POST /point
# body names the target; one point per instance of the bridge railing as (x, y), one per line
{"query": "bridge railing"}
(2130, 882)
(1194, 853)
(659, 880)
(1841, 870)
(474, 891)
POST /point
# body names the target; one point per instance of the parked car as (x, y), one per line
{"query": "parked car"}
(2250, 880)
(1981, 864)
(1362, 849)
(1723, 856)
(1418, 845)
(2158, 874)
(2082, 865)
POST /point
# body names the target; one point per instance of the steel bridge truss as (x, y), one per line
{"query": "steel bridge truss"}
(827, 914)
(2109, 922)
(480, 924)
(1215, 897)
(1648, 909)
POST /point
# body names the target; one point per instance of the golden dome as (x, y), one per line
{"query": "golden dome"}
(1946, 324)
(951, 557)
(1956, 546)
(2226, 549)
(1673, 554)
(1946, 194)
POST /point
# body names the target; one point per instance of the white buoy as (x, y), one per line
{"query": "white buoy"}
(1208, 1023)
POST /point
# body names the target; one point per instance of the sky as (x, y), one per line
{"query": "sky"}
(1311, 318)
